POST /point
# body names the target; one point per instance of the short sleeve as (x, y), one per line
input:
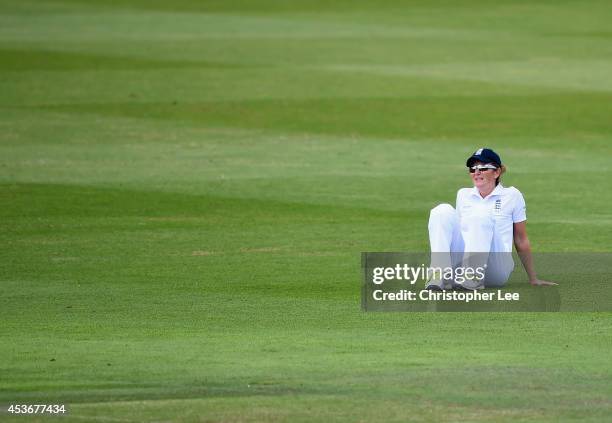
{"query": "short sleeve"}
(519, 213)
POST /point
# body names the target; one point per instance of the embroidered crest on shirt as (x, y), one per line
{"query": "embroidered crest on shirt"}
(497, 208)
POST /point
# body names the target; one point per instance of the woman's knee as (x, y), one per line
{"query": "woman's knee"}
(443, 209)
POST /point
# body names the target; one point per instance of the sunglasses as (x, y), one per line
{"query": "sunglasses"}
(482, 168)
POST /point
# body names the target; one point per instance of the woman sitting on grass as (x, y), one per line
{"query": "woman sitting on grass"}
(480, 231)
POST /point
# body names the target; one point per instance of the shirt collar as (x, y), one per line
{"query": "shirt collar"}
(496, 191)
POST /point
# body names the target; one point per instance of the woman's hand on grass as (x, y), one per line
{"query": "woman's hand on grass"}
(540, 282)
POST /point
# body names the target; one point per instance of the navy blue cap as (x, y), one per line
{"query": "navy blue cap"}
(485, 155)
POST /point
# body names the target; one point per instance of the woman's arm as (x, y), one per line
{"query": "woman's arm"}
(523, 248)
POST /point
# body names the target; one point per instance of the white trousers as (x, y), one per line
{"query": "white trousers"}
(467, 243)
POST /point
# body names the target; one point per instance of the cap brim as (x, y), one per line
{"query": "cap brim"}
(473, 159)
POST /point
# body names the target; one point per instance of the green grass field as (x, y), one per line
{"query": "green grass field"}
(186, 188)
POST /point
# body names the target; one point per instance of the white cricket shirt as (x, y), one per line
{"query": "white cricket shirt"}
(505, 205)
